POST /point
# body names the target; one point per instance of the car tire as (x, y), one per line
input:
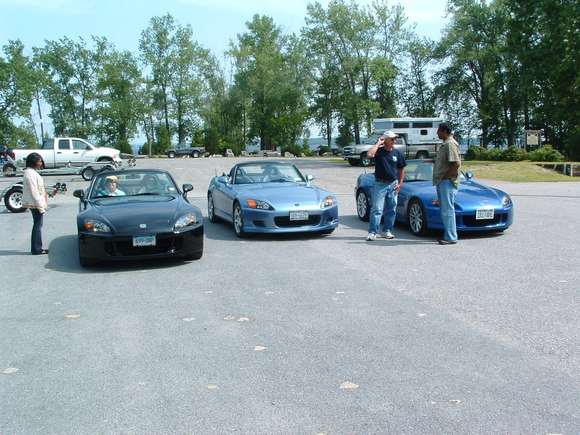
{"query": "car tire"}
(417, 218)
(195, 154)
(88, 173)
(211, 209)
(171, 154)
(353, 162)
(363, 209)
(9, 170)
(365, 160)
(13, 200)
(238, 220)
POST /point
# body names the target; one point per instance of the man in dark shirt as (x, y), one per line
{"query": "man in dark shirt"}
(389, 173)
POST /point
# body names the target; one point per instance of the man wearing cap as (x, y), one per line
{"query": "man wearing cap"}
(111, 187)
(389, 172)
(446, 179)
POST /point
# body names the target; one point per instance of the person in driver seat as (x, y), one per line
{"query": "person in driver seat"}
(111, 187)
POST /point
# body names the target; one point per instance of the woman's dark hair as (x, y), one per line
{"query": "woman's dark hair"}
(445, 127)
(32, 159)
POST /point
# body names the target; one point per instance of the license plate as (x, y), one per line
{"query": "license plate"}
(144, 241)
(298, 215)
(484, 213)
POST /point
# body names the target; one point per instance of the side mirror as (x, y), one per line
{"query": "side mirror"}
(187, 188)
(79, 193)
(88, 148)
(309, 178)
(469, 175)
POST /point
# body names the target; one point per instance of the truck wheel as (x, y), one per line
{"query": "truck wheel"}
(171, 154)
(9, 170)
(88, 173)
(422, 155)
(13, 200)
(353, 162)
(195, 154)
(365, 160)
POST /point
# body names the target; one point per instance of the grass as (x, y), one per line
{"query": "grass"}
(517, 172)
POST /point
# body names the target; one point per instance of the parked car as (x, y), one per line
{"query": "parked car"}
(477, 208)
(69, 151)
(357, 154)
(271, 197)
(143, 215)
(181, 151)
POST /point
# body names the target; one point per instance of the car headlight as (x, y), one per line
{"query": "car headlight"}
(96, 226)
(328, 202)
(506, 201)
(184, 222)
(260, 205)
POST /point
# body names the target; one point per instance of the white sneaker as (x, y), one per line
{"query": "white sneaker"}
(387, 235)
(371, 237)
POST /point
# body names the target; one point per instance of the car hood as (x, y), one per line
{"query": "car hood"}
(126, 215)
(470, 193)
(280, 194)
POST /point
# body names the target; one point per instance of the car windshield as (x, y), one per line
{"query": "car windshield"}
(132, 184)
(267, 173)
(421, 171)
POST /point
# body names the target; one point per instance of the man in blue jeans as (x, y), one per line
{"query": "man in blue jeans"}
(389, 172)
(446, 180)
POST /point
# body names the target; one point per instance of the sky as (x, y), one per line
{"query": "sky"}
(215, 23)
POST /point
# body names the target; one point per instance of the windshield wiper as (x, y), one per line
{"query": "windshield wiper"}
(278, 180)
(148, 193)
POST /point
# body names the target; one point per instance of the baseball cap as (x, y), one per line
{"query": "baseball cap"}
(390, 134)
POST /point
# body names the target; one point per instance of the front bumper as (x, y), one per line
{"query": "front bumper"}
(272, 221)
(103, 247)
(466, 221)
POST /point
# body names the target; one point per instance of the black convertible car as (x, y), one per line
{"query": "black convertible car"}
(137, 214)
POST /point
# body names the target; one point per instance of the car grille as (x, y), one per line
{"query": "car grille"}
(124, 247)
(347, 151)
(284, 221)
(470, 221)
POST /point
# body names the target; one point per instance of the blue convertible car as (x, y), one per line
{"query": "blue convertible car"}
(477, 207)
(271, 197)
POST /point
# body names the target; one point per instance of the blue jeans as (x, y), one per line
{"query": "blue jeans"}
(446, 192)
(36, 237)
(384, 204)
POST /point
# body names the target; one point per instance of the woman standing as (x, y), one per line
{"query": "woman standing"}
(35, 198)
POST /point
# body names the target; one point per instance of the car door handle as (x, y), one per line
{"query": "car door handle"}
(59, 152)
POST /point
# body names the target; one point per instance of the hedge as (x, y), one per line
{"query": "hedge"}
(513, 154)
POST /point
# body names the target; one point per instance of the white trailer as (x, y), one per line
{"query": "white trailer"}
(420, 134)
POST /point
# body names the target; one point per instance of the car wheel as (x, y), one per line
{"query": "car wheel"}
(362, 205)
(171, 154)
(365, 160)
(195, 154)
(13, 200)
(417, 218)
(9, 170)
(239, 220)
(422, 155)
(211, 209)
(353, 162)
(88, 173)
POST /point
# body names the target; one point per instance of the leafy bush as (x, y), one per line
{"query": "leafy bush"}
(494, 154)
(476, 153)
(513, 154)
(546, 154)
(573, 146)
(294, 149)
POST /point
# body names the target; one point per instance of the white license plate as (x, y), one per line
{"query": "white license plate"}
(144, 241)
(484, 213)
(298, 215)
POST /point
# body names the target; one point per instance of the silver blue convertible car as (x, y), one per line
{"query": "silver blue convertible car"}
(271, 197)
(477, 207)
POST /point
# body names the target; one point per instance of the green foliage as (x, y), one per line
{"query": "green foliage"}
(573, 145)
(513, 154)
(163, 140)
(546, 154)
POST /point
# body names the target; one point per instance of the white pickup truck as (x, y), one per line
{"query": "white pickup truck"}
(69, 151)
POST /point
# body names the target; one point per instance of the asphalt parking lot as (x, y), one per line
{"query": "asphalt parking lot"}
(297, 334)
